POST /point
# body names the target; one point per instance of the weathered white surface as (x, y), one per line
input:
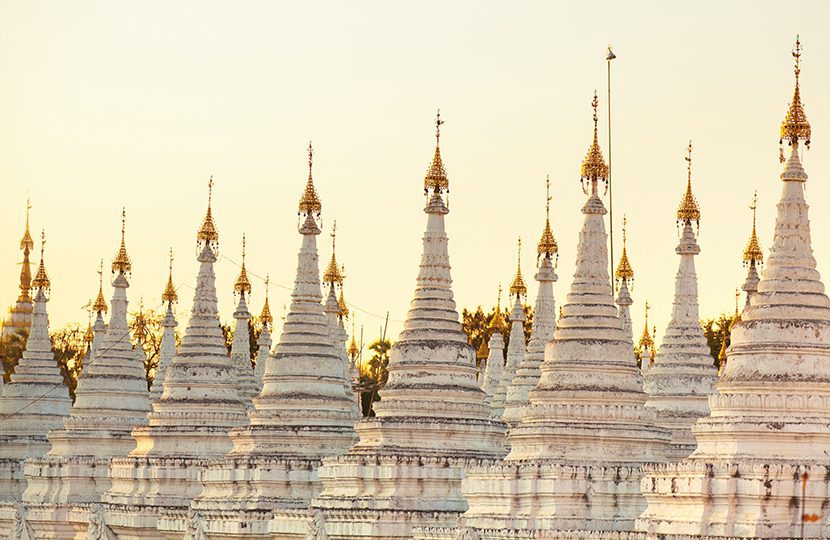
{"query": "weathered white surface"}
(302, 415)
(35, 401)
(495, 364)
(576, 455)
(544, 322)
(432, 421)
(264, 343)
(166, 352)
(99, 330)
(624, 302)
(515, 354)
(682, 376)
(770, 421)
(188, 426)
(241, 353)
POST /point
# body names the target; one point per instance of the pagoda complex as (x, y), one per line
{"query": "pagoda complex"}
(761, 462)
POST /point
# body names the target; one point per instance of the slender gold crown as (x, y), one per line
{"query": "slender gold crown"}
(436, 177)
(243, 284)
(353, 348)
(518, 286)
(594, 167)
(207, 232)
(795, 125)
(26, 242)
(341, 304)
(140, 322)
(688, 209)
(89, 336)
(753, 250)
(646, 341)
(332, 273)
(41, 280)
(310, 202)
(737, 317)
(265, 316)
(497, 322)
(100, 305)
(722, 353)
(624, 271)
(169, 295)
(122, 263)
(547, 245)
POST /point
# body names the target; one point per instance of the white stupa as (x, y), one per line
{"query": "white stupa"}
(241, 345)
(544, 322)
(683, 375)
(264, 339)
(753, 257)
(99, 307)
(189, 424)
(495, 359)
(516, 347)
(624, 276)
(432, 421)
(19, 320)
(760, 467)
(110, 399)
(577, 453)
(167, 350)
(302, 414)
(35, 401)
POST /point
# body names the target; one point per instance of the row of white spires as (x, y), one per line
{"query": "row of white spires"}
(200, 370)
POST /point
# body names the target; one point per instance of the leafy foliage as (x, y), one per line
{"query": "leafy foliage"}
(716, 329)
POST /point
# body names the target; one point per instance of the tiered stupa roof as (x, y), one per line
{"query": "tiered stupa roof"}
(264, 339)
(576, 454)
(432, 421)
(35, 400)
(20, 314)
(110, 399)
(516, 347)
(758, 450)
(544, 322)
(753, 256)
(682, 376)
(241, 345)
(190, 421)
(495, 358)
(167, 350)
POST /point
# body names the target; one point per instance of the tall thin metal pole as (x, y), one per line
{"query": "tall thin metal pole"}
(610, 56)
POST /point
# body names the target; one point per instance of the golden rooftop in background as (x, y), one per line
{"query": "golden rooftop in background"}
(795, 125)
(518, 286)
(624, 271)
(169, 295)
(688, 209)
(243, 284)
(207, 232)
(310, 202)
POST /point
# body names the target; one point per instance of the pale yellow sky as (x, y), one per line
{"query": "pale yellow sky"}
(104, 104)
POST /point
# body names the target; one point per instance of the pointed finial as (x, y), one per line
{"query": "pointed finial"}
(594, 168)
(497, 322)
(169, 295)
(243, 284)
(646, 341)
(310, 202)
(436, 177)
(207, 232)
(341, 304)
(547, 244)
(354, 350)
(795, 126)
(518, 286)
(332, 274)
(737, 317)
(100, 305)
(121, 264)
(753, 251)
(438, 123)
(688, 209)
(26, 243)
(41, 280)
(265, 316)
(624, 270)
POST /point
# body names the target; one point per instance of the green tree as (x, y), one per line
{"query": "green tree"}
(716, 329)
(69, 348)
(476, 324)
(11, 350)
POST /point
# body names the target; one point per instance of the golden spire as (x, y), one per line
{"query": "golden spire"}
(122, 263)
(795, 125)
(594, 168)
(436, 177)
(26, 242)
(624, 271)
(207, 232)
(737, 317)
(753, 251)
(310, 202)
(688, 209)
(140, 322)
(242, 285)
(100, 305)
(722, 353)
(497, 322)
(646, 342)
(89, 336)
(341, 302)
(265, 316)
(547, 245)
(41, 280)
(332, 273)
(518, 286)
(354, 350)
(169, 295)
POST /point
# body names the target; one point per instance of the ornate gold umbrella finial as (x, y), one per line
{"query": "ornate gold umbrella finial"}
(41, 280)
(436, 177)
(688, 211)
(169, 295)
(795, 126)
(310, 202)
(265, 316)
(207, 232)
(753, 251)
(547, 246)
(121, 264)
(497, 322)
(594, 169)
(26, 242)
(646, 341)
(243, 284)
(518, 286)
(624, 270)
(100, 305)
(332, 274)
